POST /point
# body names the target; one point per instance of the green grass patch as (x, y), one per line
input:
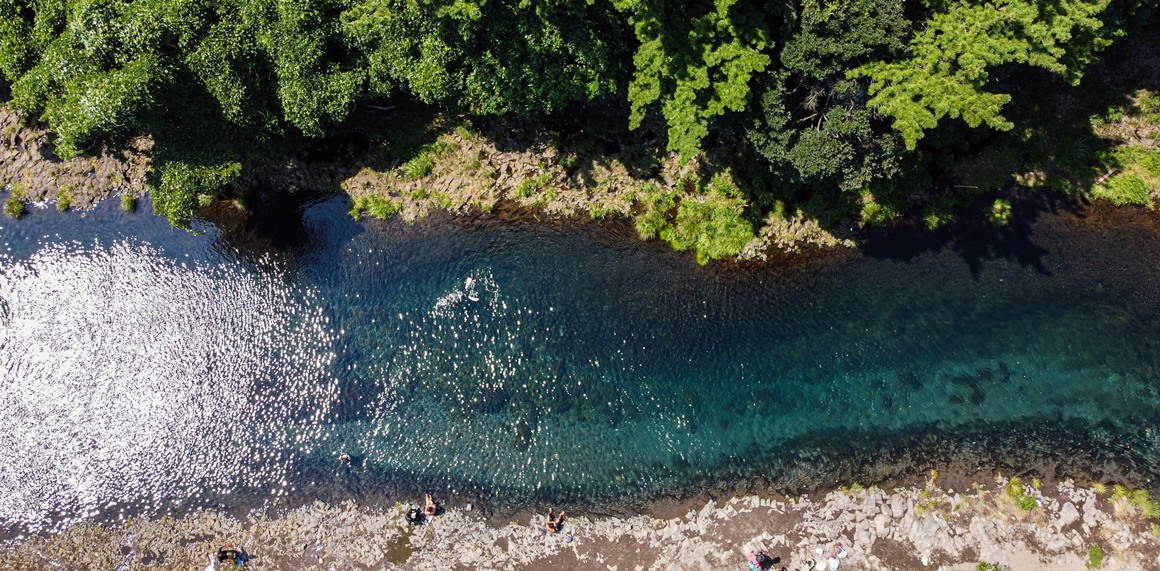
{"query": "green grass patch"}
(1138, 499)
(983, 566)
(1022, 500)
(530, 186)
(15, 206)
(1136, 177)
(652, 221)
(1095, 557)
(128, 202)
(376, 206)
(419, 166)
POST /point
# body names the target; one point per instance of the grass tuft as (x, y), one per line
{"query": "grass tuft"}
(1095, 557)
(14, 207)
(128, 202)
(419, 166)
(1022, 500)
(376, 206)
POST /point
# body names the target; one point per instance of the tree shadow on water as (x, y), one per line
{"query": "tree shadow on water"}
(974, 238)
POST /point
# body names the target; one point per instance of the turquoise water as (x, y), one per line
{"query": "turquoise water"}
(150, 370)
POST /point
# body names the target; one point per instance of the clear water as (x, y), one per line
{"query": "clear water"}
(147, 370)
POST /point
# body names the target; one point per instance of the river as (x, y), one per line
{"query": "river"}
(146, 370)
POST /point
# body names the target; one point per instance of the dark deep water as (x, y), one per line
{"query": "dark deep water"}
(147, 370)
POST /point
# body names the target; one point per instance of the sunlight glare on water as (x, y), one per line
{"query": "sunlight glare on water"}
(130, 378)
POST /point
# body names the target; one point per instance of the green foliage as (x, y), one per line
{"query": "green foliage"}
(1138, 499)
(652, 221)
(531, 186)
(998, 214)
(1022, 500)
(1095, 557)
(712, 224)
(982, 566)
(376, 206)
(419, 166)
(1026, 503)
(952, 58)
(64, 200)
(491, 57)
(812, 123)
(175, 197)
(696, 59)
(128, 202)
(14, 207)
(1136, 177)
(813, 104)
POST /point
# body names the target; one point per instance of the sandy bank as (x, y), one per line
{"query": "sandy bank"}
(912, 528)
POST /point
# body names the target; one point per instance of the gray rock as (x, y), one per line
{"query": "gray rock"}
(1067, 515)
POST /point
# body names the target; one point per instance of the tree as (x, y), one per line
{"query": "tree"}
(950, 60)
(696, 59)
(810, 122)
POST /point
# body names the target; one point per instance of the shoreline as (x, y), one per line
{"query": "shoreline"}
(917, 526)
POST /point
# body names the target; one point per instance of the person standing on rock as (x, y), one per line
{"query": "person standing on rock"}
(431, 508)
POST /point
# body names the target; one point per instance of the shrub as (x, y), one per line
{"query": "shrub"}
(1095, 557)
(652, 222)
(1022, 501)
(14, 207)
(442, 147)
(715, 227)
(998, 215)
(983, 566)
(63, 201)
(1138, 499)
(1026, 503)
(181, 187)
(128, 202)
(1124, 189)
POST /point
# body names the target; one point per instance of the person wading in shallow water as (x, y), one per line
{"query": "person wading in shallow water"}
(554, 525)
(431, 506)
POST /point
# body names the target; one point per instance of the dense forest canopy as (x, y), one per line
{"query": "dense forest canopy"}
(823, 102)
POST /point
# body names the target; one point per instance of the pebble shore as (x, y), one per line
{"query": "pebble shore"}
(902, 529)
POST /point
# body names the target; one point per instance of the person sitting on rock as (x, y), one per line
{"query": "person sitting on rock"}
(415, 516)
(236, 556)
(431, 508)
(554, 525)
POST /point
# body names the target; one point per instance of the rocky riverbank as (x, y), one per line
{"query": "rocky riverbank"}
(460, 169)
(1010, 523)
(31, 172)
